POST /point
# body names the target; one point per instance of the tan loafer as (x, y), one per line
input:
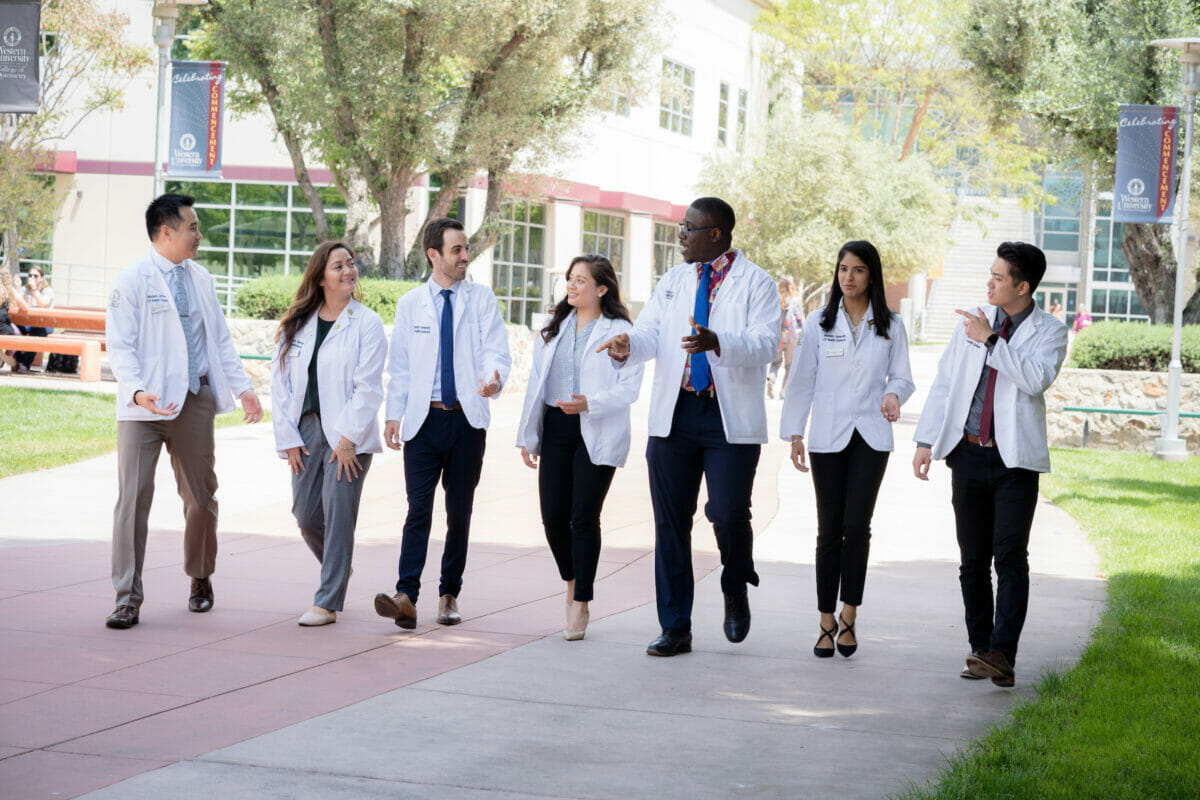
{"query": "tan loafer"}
(448, 610)
(316, 616)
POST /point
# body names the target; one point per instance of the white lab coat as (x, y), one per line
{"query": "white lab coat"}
(480, 349)
(605, 424)
(146, 346)
(1026, 365)
(842, 384)
(745, 316)
(349, 381)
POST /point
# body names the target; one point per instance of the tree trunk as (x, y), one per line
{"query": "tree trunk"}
(393, 213)
(12, 249)
(360, 218)
(1151, 262)
(311, 196)
(918, 120)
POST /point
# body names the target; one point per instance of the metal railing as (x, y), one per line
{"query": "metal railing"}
(88, 285)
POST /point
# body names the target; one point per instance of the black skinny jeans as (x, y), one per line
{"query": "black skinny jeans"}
(847, 484)
(572, 491)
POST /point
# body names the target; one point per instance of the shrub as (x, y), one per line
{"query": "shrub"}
(270, 296)
(1133, 346)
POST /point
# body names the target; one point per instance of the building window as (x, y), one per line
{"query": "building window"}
(723, 115)
(604, 234)
(1113, 295)
(666, 249)
(1058, 222)
(678, 89)
(741, 119)
(519, 261)
(254, 229)
(620, 104)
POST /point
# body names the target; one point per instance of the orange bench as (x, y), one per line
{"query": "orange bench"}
(76, 319)
(88, 350)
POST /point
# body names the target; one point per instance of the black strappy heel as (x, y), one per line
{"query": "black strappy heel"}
(826, 633)
(846, 650)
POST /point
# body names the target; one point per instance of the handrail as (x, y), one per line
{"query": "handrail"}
(1139, 412)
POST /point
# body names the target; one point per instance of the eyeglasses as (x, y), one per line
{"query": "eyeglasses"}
(684, 230)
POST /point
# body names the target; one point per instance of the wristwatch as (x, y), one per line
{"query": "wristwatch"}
(991, 340)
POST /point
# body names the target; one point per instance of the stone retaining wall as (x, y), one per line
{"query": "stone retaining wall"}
(257, 337)
(1100, 388)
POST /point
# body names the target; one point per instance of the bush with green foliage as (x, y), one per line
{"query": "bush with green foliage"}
(270, 296)
(1136, 346)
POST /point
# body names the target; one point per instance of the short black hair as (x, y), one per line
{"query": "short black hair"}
(165, 211)
(435, 234)
(1025, 262)
(719, 212)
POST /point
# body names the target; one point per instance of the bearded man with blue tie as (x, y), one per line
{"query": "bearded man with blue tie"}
(449, 355)
(176, 368)
(712, 327)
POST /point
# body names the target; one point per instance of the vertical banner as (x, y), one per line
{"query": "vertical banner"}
(20, 44)
(1147, 139)
(197, 110)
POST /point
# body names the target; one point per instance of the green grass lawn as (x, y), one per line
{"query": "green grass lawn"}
(41, 428)
(1125, 723)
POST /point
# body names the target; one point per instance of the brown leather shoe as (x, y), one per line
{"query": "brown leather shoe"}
(994, 665)
(202, 595)
(448, 610)
(123, 617)
(397, 607)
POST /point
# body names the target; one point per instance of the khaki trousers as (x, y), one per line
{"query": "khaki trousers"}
(189, 441)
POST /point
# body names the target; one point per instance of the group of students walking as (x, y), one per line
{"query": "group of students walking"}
(712, 327)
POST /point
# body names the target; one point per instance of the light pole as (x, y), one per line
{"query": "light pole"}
(165, 13)
(1170, 447)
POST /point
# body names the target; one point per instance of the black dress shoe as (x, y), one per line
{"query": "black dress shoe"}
(672, 642)
(123, 617)
(737, 616)
(202, 595)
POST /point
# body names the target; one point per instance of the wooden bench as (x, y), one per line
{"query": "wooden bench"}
(88, 350)
(76, 319)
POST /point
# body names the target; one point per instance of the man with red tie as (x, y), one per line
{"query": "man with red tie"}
(986, 416)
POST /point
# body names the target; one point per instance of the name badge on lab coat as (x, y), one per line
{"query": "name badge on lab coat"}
(835, 352)
(158, 305)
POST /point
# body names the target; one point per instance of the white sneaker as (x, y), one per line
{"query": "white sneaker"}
(318, 616)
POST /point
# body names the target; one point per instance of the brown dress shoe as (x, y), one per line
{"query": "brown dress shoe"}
(123, 617)
(397, 607)
(994, 665)
(448, 610)
(202, 595)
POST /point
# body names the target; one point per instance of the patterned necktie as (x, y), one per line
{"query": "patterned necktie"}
(989, 397)
(700, 374)
(449, 392)
(179, 289)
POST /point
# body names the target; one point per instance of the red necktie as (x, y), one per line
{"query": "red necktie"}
(989, 397)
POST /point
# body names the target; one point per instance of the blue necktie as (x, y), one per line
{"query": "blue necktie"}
(449, 393)
(179, 289)
(700, 377)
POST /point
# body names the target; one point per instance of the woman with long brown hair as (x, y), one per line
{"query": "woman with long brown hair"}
(326, 389)
(8, 296)
(576, 417)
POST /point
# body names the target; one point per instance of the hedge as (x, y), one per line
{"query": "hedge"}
(269, 297)
(1137, 346)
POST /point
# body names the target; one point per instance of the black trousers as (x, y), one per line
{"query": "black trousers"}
(993, 512)
(27, 358)
(571, 490)
(697, 448)
(846, 484)
(446, 448)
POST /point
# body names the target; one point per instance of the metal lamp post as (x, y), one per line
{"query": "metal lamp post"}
(165, 13)
(1170, 447)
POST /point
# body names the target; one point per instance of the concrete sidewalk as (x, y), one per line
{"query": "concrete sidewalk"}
(241, 702)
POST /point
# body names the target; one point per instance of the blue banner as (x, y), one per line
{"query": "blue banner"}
(1147, 139)
(197, 119)
(20, 45)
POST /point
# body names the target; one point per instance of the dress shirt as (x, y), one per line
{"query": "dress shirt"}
(167, 268)
(563, 379)
(435, 291)
(720, 268)
(976, 412)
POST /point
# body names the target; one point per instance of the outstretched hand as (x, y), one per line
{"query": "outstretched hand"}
(703, 340)
(617, 347)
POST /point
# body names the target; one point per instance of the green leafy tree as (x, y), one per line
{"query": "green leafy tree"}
(816, 185)
(1067, 65)
(85, 61)
(385, 93)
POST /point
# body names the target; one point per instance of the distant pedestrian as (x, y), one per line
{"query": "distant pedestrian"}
(326, 389)
(852, 375)
(37, 294)
(791, 323)
(576, 418)
(986, 415)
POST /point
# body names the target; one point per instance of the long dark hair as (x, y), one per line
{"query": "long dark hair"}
(310, 295)
(869, 256)
(603, 274)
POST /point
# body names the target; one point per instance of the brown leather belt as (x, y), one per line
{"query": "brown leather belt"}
(444, 407)
(975, 440)
(710, 392)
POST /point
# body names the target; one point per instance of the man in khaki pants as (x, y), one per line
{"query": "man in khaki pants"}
(176, 369)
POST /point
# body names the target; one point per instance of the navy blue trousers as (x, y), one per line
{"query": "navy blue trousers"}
(696, 448)
(448, 449)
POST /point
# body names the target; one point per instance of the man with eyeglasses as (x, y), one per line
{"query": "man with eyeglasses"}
(712, 327)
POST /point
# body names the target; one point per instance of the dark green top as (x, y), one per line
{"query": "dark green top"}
(312, 400)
